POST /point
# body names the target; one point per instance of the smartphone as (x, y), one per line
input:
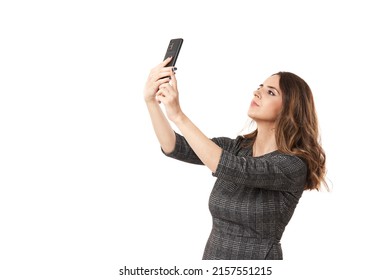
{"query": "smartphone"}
(173, 50)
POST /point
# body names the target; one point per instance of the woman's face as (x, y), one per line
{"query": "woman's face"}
(267, 101)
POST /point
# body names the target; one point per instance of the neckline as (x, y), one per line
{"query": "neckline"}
(264, 155)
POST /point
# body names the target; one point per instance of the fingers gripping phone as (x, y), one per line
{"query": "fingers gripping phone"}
(173, 50)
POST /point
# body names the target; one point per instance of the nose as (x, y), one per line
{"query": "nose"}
(257, 94)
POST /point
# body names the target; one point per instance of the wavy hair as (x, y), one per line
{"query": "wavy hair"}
(297, 131)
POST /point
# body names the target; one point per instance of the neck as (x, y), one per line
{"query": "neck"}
(265, 140)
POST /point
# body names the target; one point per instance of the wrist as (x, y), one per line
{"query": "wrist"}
(150, 100)
(180, 119)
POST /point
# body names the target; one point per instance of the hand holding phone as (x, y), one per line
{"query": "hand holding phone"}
(173, 50)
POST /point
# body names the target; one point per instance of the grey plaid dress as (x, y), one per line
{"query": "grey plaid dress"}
(252, 201)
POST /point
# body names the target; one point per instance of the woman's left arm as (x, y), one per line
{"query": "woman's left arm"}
(207, 151)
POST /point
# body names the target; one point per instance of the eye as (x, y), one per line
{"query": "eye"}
(270, 92)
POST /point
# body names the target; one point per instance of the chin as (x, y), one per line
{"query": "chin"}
(250, 113)
(261, 119)
(253, 115)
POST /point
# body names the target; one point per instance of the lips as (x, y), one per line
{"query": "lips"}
(253, 103)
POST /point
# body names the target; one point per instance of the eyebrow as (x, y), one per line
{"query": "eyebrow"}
(261, 85)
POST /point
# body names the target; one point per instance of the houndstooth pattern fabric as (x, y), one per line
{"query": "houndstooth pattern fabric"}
(252, 201)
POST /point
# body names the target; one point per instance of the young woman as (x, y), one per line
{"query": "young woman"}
(260, 176)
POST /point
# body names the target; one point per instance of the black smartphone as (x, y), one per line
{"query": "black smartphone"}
(173, 50)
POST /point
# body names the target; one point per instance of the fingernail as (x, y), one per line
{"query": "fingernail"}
(174, 69)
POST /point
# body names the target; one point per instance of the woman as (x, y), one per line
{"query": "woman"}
(260, 176)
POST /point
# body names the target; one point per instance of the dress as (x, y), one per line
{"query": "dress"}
(252, 201)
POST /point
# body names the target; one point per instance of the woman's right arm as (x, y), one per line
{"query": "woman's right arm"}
(162, 128)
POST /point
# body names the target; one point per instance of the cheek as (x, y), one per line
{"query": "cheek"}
(276, 107)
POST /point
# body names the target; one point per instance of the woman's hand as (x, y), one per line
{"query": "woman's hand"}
(164, 90)
(156, 79)
(168, 94)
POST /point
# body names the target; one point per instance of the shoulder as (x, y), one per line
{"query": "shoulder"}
(288, 162)
(291, 167)
(291, 163)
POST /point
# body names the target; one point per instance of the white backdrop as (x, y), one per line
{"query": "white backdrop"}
(84, 188)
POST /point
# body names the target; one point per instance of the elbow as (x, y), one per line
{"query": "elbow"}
(167, 149)
(213, 168)
(214, 161)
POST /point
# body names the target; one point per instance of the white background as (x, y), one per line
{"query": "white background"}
(84, 188)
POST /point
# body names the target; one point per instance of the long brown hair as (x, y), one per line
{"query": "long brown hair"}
(296, 130)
